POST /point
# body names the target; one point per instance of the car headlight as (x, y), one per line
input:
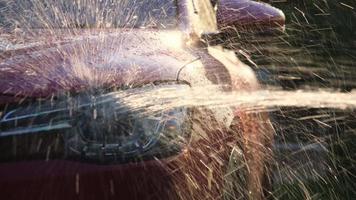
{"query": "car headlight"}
(114, 127)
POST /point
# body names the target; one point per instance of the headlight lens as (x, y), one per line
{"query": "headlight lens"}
(119, 126)
(115, 129)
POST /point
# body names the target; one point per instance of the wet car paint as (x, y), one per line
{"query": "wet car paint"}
(44, 71)
(246, 15)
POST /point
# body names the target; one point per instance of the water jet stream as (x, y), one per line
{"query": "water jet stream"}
(209, 96)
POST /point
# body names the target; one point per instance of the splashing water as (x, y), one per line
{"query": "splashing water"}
(304, 128)
(250, 101)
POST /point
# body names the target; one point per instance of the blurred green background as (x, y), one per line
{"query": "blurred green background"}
(318, 51)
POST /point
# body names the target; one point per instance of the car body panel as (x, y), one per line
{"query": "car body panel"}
(59, 179)
(92, 59)
(247, 15)
(82, 60)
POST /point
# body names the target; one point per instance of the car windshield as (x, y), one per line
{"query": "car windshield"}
(161, 14)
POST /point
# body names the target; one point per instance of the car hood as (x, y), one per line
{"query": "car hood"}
(79, 60)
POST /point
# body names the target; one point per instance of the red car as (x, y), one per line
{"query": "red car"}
(92, 106)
